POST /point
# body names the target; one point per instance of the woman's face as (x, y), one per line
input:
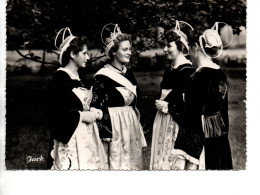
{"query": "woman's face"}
(82, 57)
(123, 53)
(171, 50)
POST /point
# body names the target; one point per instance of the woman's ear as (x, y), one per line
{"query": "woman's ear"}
(193, 47)
(196, 46)
(72, 55)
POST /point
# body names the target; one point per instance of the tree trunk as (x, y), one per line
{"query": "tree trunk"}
(42, 69)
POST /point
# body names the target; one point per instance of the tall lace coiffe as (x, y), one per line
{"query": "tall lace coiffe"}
(212, 39)
(182, 35)
(65, 41)
(109, 43)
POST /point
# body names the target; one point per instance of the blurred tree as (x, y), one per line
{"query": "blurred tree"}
(33, 24)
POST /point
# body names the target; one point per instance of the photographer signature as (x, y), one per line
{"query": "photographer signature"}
(34, 159)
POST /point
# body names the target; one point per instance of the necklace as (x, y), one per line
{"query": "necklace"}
(118, 68)
(123, 71)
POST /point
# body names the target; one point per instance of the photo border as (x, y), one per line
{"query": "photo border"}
(145, 182)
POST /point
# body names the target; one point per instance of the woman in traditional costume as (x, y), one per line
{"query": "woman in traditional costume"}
(115, 93)
(170, 106)
(204, 139)
(77, 145)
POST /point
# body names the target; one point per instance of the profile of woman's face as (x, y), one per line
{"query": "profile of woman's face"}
(123, 53)
(82, 57)
(171, 50)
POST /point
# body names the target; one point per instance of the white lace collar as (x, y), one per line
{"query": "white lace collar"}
(70, 73)
(115, 69)
(184, 61)
(209, 65)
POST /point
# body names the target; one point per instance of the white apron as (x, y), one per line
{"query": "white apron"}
(165, 131)
(125, 150)
(84, 150)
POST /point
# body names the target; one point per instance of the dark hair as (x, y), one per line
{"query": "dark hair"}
(76, 45)
(171, 36)
(120, 38)
(194, 38)
(213, 51)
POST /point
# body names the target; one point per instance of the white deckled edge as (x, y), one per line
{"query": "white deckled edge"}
(2, 85)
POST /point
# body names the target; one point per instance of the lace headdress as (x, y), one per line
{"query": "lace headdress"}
(109, 43)
(183, 36)
(212, 39)
(65, 41)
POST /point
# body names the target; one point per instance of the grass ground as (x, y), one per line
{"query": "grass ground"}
(27, 133)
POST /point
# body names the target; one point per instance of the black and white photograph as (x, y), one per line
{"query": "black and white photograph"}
(126, 85)
(129, 96)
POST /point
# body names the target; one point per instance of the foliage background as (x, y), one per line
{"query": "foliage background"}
(33, 23)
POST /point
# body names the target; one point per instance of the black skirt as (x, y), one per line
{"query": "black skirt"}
(218, 153)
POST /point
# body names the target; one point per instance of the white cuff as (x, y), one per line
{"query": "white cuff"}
(80, 116)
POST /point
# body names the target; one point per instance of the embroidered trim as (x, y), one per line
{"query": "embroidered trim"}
(118, 78)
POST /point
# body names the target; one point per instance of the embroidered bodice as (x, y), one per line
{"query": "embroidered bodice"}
(127, 95)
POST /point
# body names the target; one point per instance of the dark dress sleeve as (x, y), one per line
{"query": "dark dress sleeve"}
(63, 107)
(176, 98)
(100, 101)
(190, 138)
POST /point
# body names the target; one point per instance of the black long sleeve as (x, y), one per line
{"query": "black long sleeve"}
(205, 94)
(63, 106)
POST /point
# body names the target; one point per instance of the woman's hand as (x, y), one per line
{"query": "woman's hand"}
(98, 112)
(161, 105)
(88, 117)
